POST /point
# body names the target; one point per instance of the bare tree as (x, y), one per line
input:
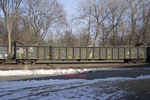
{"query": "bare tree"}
(116, 11)
(145, 21)
(93, 15)
(99, 14)
(84, 21)
(3, 33)
(133, 7)
(97, 22)
(9, 9)
(69, 39)
(41, 16)
(83, 39)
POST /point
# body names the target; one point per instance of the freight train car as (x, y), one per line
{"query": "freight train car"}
(51, 53)
(3, 53)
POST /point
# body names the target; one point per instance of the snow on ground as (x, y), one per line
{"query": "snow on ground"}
(54, 71)
(47, 72)
(73, 89)
(43, 72)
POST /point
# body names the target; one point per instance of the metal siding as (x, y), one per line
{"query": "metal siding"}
(76, 53)
(109, 53)
(142, 53)
(3, 52)
(69, 53)
(47, 53)
(20, 52)
(115, 53)
(103, 53)
(90, 53)
(96, 53)
(148, 54)
(133, 53)
(62, 53)
(32, 52)
(83, 53)
(40, 53)
(121, 53)
(55, 53)
(127, 53)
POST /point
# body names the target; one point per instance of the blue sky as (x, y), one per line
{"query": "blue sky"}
(70, 6)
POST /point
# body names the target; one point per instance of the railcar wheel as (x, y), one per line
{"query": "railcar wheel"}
(134, 61)
(33, 61)
(2, 61)
(23, 62)
(78, 59)
(17, 61)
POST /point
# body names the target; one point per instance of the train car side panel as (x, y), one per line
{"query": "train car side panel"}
(3, 53)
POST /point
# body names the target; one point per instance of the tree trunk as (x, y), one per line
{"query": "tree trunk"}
(97, 32)
(9, 45)
(9, 27)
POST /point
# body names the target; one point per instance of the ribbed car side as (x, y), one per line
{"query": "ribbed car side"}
(49, 53)
(3, 53)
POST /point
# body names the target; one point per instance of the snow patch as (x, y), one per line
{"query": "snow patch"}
(74, 89)
(54, 71)
(43, 72)
(35, 83)
(46, 72)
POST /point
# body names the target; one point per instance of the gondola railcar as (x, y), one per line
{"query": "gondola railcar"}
(107, 54)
